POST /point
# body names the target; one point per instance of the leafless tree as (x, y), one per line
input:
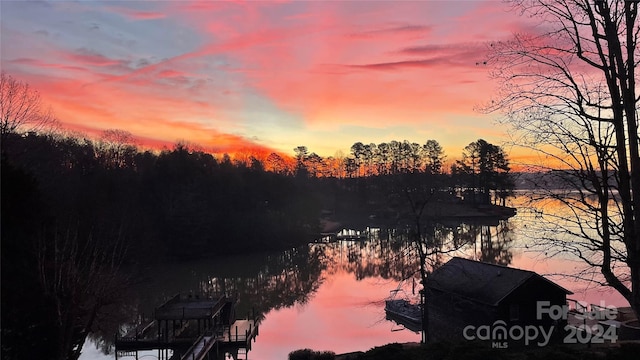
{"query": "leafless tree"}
(569, 91)
(80, 277)
(116, 148)
(431, 240)
(21, 107)
(276, 163)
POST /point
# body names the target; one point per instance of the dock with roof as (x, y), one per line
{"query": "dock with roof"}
(190, 327)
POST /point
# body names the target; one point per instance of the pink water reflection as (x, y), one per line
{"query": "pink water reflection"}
(529, 227)
(344, 315)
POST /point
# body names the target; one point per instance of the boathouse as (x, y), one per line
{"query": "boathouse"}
(468, 300)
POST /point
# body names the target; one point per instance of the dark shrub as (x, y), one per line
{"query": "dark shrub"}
(308, 354)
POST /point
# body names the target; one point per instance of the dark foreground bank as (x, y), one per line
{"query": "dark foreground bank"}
(476, 351)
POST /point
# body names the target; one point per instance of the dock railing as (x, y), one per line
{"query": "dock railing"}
(576, 306)
(139, 331)
(239, 336)
(593, 311)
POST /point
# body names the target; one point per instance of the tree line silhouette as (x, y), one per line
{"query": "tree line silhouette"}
(385, 158)
(185, 201)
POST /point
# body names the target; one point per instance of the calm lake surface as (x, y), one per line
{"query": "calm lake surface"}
(330, 296)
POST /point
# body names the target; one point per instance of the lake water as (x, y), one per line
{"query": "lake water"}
(331, 296)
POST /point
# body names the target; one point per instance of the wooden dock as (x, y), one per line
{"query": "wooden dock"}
(237, 336)
(599, 322)
(191, 327)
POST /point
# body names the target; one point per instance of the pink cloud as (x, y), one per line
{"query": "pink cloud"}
(137, 14)
(290, 64)
(90, 58)
(410, 31)
(397, 65)
(170, 73)
(42, 64)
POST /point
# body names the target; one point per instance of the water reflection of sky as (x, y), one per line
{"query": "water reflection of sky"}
(345, 315)
(527, 228)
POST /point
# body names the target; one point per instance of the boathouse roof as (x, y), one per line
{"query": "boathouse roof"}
(482, 282)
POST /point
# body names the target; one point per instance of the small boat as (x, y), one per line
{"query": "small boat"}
(403, 310)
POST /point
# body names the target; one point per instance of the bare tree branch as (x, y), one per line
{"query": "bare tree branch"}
(569, 94)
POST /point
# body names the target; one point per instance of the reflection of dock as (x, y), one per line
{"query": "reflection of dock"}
(351, 235)
(348, 235)
(191, 327)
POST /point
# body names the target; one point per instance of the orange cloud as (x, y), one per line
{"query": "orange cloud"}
(138, 15)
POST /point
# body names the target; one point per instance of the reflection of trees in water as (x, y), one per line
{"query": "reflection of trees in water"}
(261, 282)
(386, 254)
(389, 254)
(283, 280)
(264, 282)
(496, 243)
(122, 316)
(426, 246)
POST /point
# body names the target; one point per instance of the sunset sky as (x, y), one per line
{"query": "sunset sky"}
(267, 75)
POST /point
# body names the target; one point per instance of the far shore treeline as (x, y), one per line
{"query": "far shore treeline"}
(185, 202)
